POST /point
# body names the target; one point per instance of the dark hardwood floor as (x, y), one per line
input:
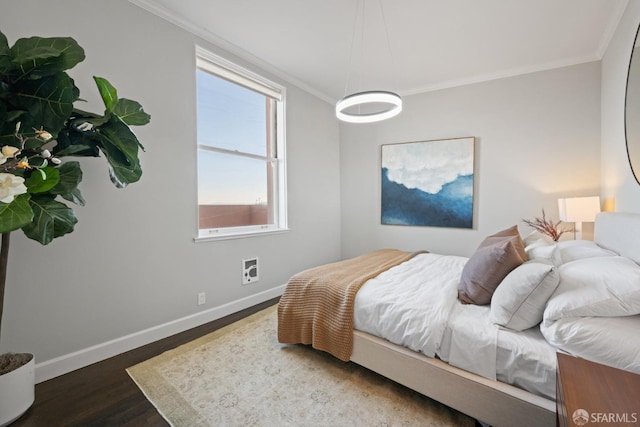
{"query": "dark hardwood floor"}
(103, 394)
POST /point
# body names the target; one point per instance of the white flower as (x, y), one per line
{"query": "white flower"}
(43, 134)
(11, 186)
(7, 152)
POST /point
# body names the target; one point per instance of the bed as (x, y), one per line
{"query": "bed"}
(428, 321)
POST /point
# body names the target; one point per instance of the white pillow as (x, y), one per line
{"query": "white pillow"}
(534, 236)
(602, 286)
(518, 303)
(571, 250)
(542, 250)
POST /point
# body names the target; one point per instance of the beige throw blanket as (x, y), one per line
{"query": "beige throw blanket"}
(317, 305)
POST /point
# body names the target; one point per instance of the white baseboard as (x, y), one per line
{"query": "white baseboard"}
(79, 359)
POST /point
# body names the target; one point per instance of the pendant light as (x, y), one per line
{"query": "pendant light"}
(373, 105)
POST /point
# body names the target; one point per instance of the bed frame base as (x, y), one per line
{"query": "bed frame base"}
(491, 402)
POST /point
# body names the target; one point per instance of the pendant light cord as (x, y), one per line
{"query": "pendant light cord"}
(386, 34)
(353, 37)
(391, 100)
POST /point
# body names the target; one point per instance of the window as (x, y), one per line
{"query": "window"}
(241, 162)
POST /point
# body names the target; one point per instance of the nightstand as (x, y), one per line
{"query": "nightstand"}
(593, 394)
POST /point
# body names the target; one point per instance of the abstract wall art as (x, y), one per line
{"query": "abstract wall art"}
(428, 183)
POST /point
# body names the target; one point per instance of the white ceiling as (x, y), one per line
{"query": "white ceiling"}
(434, 44)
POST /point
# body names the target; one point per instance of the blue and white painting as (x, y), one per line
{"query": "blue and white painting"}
(428, 183)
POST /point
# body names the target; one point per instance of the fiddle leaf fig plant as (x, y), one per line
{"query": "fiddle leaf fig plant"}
(41, 127)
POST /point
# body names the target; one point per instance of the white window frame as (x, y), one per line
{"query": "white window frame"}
(221, 67)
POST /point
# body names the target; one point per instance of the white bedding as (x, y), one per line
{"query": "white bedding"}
(525, 359)
(520, 358)
(471, 340)
(593, 313)
(613, 341)
(409, 304)
(415, 305)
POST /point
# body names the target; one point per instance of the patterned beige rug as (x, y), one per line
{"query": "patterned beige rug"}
(241, 376)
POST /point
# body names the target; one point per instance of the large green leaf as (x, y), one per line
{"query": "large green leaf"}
(72, 142)
(79, 117)
(6, 128)
(120, 172)
(108, 93)
(8, 124)
(74, 196)
(5, 55)
(67, 186)
(131, 112)
(36, 62)
(120, 147)
(16, 214)
(49, 101)
(43, 180)
(51, 219)
(37, 56)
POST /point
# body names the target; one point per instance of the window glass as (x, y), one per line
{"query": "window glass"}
(230, 116)
(241, 185)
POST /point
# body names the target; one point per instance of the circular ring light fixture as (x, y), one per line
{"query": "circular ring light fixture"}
(391, 99)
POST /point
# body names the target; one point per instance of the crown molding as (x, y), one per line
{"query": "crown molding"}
(501, 75)
(611, 28)
(175, 19)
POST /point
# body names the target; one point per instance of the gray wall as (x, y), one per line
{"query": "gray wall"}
(131, 263)
(538, 139)
(619, 188)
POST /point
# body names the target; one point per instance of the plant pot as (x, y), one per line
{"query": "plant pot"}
(17, 392)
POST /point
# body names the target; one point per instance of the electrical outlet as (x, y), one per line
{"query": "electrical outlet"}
(249, 271)
(202, 298)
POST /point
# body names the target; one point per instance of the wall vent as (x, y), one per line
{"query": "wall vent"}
(250, 271)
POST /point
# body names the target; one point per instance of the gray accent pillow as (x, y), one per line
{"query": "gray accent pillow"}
(496, 257)
(507, 232)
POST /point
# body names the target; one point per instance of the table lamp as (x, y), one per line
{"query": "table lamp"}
(579, 210)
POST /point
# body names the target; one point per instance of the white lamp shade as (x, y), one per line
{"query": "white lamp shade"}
(579, 209)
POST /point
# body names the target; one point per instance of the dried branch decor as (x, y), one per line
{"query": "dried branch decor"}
(547, 226)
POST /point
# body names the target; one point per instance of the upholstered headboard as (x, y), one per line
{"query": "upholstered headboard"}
(619, 232)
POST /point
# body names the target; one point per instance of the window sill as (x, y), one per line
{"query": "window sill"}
(239, 235)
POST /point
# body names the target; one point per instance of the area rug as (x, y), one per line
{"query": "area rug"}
(241, 376)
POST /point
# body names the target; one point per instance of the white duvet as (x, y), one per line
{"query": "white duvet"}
(415, 305)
